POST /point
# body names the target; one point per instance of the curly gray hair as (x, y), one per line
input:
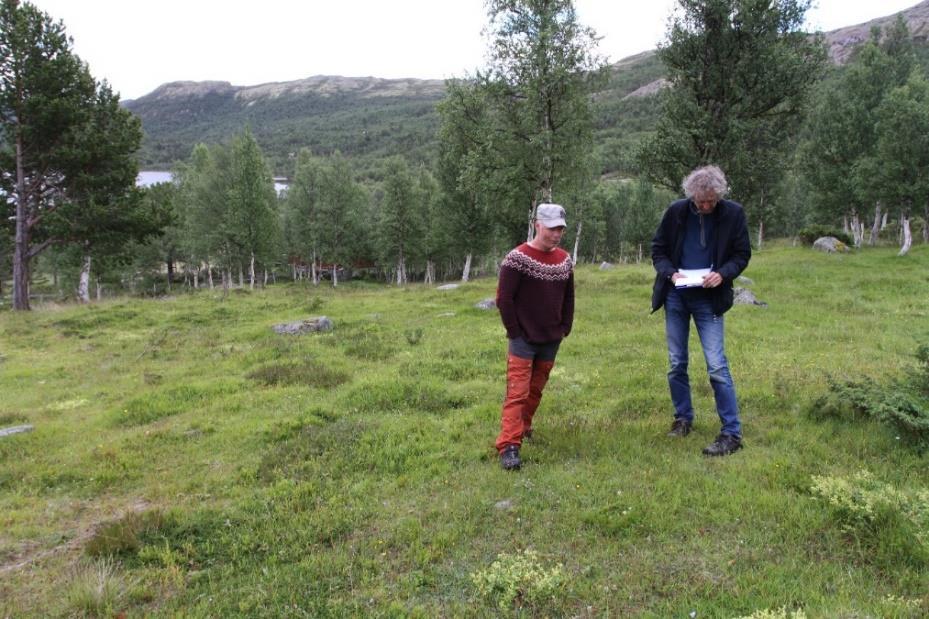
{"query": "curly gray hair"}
(705, 179)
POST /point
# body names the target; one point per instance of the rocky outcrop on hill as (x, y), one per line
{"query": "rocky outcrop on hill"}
(841, 43)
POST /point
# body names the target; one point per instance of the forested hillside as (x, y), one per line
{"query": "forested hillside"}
(367, 118)
(363, 118)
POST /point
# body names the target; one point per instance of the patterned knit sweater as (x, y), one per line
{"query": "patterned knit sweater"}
(535, 294)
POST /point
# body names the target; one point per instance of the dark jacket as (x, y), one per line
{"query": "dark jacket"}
(731, 253)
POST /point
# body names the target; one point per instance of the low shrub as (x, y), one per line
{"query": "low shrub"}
(902, 404)
(519, 581)
(893, 521)
(308, 373)
(125, 535)
(809, 234)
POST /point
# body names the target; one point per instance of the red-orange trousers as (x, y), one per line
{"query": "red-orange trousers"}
(525, 379)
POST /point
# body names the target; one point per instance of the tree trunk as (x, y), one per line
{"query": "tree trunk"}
(760, 233)
(241, 277)
(430, 272)
(857, 230)
(170, 276)
(907, 235)
(209, 274)
(251, 271)
(401, 270)
(314, 271)
(531, 233)
(83, 286)
(21, 248)
(264, 284)
(577, 240)
(335, 275)
(845, 228)
(466, 272)
(884, 220)
(293, 270)
(197, 278)
(99, 289)
(876, 228)
(926, 224)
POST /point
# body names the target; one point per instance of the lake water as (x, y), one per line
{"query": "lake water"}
(146, 178)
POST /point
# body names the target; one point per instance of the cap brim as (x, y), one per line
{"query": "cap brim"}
(553, 223)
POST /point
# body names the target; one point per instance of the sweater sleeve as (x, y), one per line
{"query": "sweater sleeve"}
(507, 286)
(567, 306)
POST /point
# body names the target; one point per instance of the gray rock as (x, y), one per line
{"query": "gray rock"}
(744, 296)
(15, 430)
(606, 266)
(309, 325)
(744, 280)
(486, 304)
(504, 505)
(447, 287)
(830, 245)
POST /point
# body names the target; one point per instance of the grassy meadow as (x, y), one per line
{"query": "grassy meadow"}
(187, 461)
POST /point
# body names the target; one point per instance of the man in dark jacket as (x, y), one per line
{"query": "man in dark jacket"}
(700, 247)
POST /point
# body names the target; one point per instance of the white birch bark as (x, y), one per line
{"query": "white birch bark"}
(251, 271)
(876, 227)
(907, 235)
(466, 272)
(577, 241)
(83, 286)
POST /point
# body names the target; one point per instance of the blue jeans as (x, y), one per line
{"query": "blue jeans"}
(680, 306)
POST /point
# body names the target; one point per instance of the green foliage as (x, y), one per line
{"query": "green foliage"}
(309, 373)
(97, 589)
(839, 151)
(124, 536)
(779, 613)
(895, 521)
(520, 582)
(740, 73)
(161, 403)
(66, 147)
(809, 234)
(902, 404)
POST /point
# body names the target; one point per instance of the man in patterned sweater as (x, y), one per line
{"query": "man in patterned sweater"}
(535, 296)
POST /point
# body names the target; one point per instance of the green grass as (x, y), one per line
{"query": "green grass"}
(187, 461)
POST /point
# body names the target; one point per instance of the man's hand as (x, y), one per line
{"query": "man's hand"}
(712, 280)
(675, 276)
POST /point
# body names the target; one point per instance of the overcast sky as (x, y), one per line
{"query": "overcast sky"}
(137, 46)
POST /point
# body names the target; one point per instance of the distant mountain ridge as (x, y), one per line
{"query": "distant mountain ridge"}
(368, 118)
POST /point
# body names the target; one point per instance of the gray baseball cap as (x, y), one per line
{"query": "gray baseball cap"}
(550, 215)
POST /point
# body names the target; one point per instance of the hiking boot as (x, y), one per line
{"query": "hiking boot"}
(680, 428)
(509, 458)
(527, 434)
(724, 445)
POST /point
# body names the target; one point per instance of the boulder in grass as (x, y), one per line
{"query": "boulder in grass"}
(744, 296)
(15, 430)
(486, 304)
(830, 245)
(447, 287)
(310, 325)
(606, 266)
